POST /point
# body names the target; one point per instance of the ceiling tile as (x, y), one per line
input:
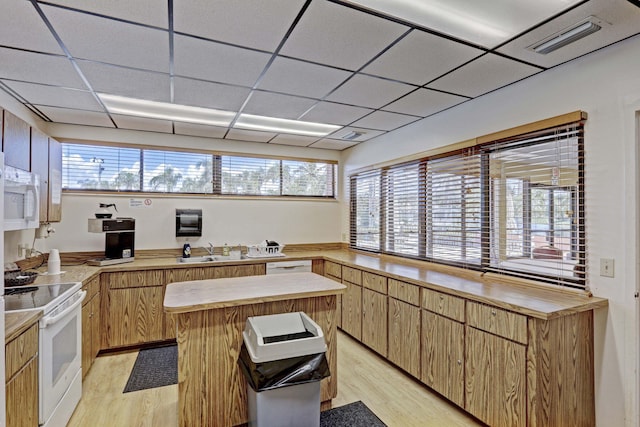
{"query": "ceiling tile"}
(367, 134)
(101, 39)
(383, 120)
(619, 22)
(421, 57)
(23, 28)
(77, 117)
(249, 135)
(483, 75)
(332, 34)
(142, 123)
(296, 140)
(208, 95)
(276, 105)
(369, 91)
(217, 62)
(127, 82)
(199, 130)
(55, 96)
(256, 24)
(302, 78)
(149, 12)
(39, 68)
(337, 114)
(333, 144)
(424, 102)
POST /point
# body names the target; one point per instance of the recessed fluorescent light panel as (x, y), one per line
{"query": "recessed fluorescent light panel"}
(166, 111)
(485, 23)
(272, 124)
(567, 36)
(208, 116)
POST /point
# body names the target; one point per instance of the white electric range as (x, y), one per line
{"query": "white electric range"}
(60, 345)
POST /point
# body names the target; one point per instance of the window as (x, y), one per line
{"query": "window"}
(514, 205)
(124, 169)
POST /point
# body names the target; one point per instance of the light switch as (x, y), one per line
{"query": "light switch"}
(606, 267)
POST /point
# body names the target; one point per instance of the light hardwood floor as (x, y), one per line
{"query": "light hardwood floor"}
(394, 397)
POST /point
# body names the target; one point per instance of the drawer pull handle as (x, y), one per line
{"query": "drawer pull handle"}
(441, 297)
(493, 312)
(459, 362)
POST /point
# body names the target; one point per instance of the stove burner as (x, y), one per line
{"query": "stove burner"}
(18, 291)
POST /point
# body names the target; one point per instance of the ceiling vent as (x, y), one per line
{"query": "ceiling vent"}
(353, 135)
(567, 36)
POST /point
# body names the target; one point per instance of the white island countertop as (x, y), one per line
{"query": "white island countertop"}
(184, 297)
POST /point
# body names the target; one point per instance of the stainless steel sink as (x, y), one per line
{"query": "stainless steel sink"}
(196, 259)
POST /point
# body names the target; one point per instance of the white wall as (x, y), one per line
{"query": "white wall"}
(607, 86)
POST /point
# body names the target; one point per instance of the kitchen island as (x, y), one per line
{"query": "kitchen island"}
(210, 316)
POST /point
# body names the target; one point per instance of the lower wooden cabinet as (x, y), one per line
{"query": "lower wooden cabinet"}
(443, 356)
(21, 388)
(352, 310)
(374, 320)
(133, 316)
(404, 336)
(495, 379)
(91, 324)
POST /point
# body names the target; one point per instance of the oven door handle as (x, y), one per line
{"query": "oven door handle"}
(46, 321)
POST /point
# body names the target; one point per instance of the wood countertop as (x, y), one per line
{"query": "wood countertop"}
(525, 297)
(183, 297)
(17, 323)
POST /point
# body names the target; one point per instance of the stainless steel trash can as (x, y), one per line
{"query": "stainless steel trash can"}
(283, 359)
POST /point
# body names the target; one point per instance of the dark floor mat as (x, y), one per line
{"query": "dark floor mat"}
(354, 414)
(154, 367)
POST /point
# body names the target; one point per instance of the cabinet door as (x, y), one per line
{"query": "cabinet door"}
(87, 330)
(443, 356)
(96, 327)
(16, 142)
(22, 397)
(40, 165)
(352, 310)
(404, 336)
(133, 316)
(495, 384)
(54, 201)
(374, 320)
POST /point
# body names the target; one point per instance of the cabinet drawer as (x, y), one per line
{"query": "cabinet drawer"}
(404, 291)
(374, 281)
(134, 279)
(352, 275)
(333, 269)
(20, 350)
(497, 321)
(443, 304)
(91, 287)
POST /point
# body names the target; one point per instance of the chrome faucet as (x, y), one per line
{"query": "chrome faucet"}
(209, 249)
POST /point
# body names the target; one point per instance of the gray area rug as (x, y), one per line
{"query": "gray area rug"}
(154, 367)
(354, 414)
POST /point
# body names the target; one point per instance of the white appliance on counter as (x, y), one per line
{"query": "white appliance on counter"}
(60, 345)
(21, 199)
(281, 267)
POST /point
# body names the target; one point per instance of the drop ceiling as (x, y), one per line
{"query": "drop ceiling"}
(365, 66)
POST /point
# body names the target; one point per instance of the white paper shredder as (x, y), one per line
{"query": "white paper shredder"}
(272, 338)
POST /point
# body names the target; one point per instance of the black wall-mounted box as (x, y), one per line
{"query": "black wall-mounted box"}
(188, 222)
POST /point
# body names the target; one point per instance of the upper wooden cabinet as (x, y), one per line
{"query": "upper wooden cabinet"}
(15, 141)
(46, 161)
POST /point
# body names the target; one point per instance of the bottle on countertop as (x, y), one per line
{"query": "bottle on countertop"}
(225, 250)
(186, 250)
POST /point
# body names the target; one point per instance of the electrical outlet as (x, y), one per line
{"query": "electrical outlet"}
(19, 250)
(344, 237)
(606, 267)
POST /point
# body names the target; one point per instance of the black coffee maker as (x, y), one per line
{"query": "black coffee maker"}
(119, 239)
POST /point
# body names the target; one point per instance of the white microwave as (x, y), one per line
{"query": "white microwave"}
(21, 199)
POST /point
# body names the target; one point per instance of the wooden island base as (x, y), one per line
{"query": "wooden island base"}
(212, 390)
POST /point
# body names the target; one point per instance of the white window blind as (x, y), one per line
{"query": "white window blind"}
(514, 206)
(109, 168)
(365, 211)
(537, 205)
(453, 208)
(403, 203)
